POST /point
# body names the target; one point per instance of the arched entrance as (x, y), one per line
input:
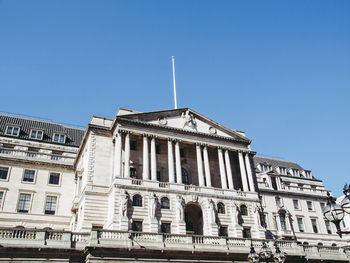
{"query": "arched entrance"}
(194, 219)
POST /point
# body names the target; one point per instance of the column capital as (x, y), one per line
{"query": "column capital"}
(152, 136)
(125, 131)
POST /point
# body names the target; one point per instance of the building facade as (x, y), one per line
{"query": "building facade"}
(167, 185)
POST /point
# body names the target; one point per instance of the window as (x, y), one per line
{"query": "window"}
(165, 228)
(32, 152)
(157, 149)
(246, 233)
(243, 209)
(3, 173)
(137, 200)
(133, 145)
(296, 204)
(24, 203)
(308, 174)
(182, 153)
(158, 176)
(136, 226)
(164, 203)
(1, 198)
(295, 172)
(223, 231)
(54, 178)
(58, 137)
(221, 208)
(283, 221)
(132, 172)
(56, 155)
(300, 224)
(50, 206)
(309, 205)
(274, 183)
(283, 171)
(314, 225)
(328, 227)
(28, 176)
(323, 205)
(6, 148)
(185, 178)
(265, 167)
(13, 131)
(278, 201)
(36, 134)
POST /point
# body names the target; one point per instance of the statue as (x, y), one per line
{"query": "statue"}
(124, 199)
(180, 208)
(235, 213)
(152, 206)
(211, 210)
(188, 120)
(257, 216)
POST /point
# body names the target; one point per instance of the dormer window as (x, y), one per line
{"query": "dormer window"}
(12, 130)
(36, 134)
(308, 174)
(295, 172)
(58, 137)
(265, 167)
(283, 171)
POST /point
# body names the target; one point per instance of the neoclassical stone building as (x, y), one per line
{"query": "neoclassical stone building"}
(167, 186)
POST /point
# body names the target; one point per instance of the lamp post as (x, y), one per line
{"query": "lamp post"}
(335, 213)
(265, 254)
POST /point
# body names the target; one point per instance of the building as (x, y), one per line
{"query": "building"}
(168, 186)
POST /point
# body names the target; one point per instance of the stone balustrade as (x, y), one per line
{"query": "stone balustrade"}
(18, 237)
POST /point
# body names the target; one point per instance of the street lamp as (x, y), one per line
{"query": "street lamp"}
(335, 213)
(265, 254)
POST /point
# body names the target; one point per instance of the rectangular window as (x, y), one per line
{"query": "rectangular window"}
(11, 130)
(158, 176)
(296, 204)
(314, 225)
(157, 149)
(3, 173)
(57, 137)
(308, 174)
(278, 201)
(36, 134)
(328, 227)
(165, 228)
(1, 198)
(274, 183)
(283, 171)
(32, 152)
(246, 233)
(283, 221)
(24, 203)
(50, 206)
(300, 224)
(6, 148)
(309, 205)
(265, 167)
(28, 176)
(323, 205)
(132, 172)
(295, 172)
(54, 178)
(133, 145)
(182, 153)
(136, 226)
(56, 155)
(223, 231)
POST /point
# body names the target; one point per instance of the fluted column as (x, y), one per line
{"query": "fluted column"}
(206, 166)
(222, 169)
(243, 173)
(200, 165)
(153, 159)
(145, 164)
(178, 163)
(127, 156)
(171, 162)
(228, 170)
(118, 155)
(250, 174)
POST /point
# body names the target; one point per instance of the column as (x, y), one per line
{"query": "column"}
(171, 162)
(153, 159)
(206, 166)
(243, 173)
(145, 164)
(127, 156)
(222, 169)
(200, 165)
(118, 155)
(178, 163)
(278, 181)
(228, 170)
(250, 174)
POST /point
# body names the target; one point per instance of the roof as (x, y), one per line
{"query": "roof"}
(74, 136)
(276, 163)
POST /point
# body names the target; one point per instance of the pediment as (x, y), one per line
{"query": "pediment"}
(188, 120)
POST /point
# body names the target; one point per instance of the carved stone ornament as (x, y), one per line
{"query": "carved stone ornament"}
(188, 120)
(162, 121)
(212, 130)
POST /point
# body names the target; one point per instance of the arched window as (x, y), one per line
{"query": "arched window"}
(334, 245)
(244, 210)
(305, 243)
(221, 208)
(164, 203)
(320, 244)
(185, 178)
(137, 200)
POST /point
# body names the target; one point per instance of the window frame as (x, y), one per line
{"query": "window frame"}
(59, 180)
(301, 229)
(163, 223)
(59, 137)
(245, 210)
(308, 207)
(7, 175)
(34, 176)
(223, 231)
(134, 224)
(2, 200)
(45, 204)
(13, 128)
(284, 169)
(36, 133)
(30, 202)
(134, 201)
(221, 208)
(161, 203)
(316, 225)
(296, 207)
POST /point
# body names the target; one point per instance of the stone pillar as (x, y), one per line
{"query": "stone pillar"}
(118, 155)
(145, 170)
(200, 165)
(278, 181)
(206, 166)
(228, 170)
(153, 159)
(127, 156)
(222, 169)
(171, 162)
(243, 173)
(178, 163)
(250, 174)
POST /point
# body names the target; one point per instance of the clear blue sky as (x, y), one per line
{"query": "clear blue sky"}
(277, 69)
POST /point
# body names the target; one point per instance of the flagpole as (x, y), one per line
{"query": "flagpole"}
(175, 100)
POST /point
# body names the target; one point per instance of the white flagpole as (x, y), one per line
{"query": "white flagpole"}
(175, 100)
